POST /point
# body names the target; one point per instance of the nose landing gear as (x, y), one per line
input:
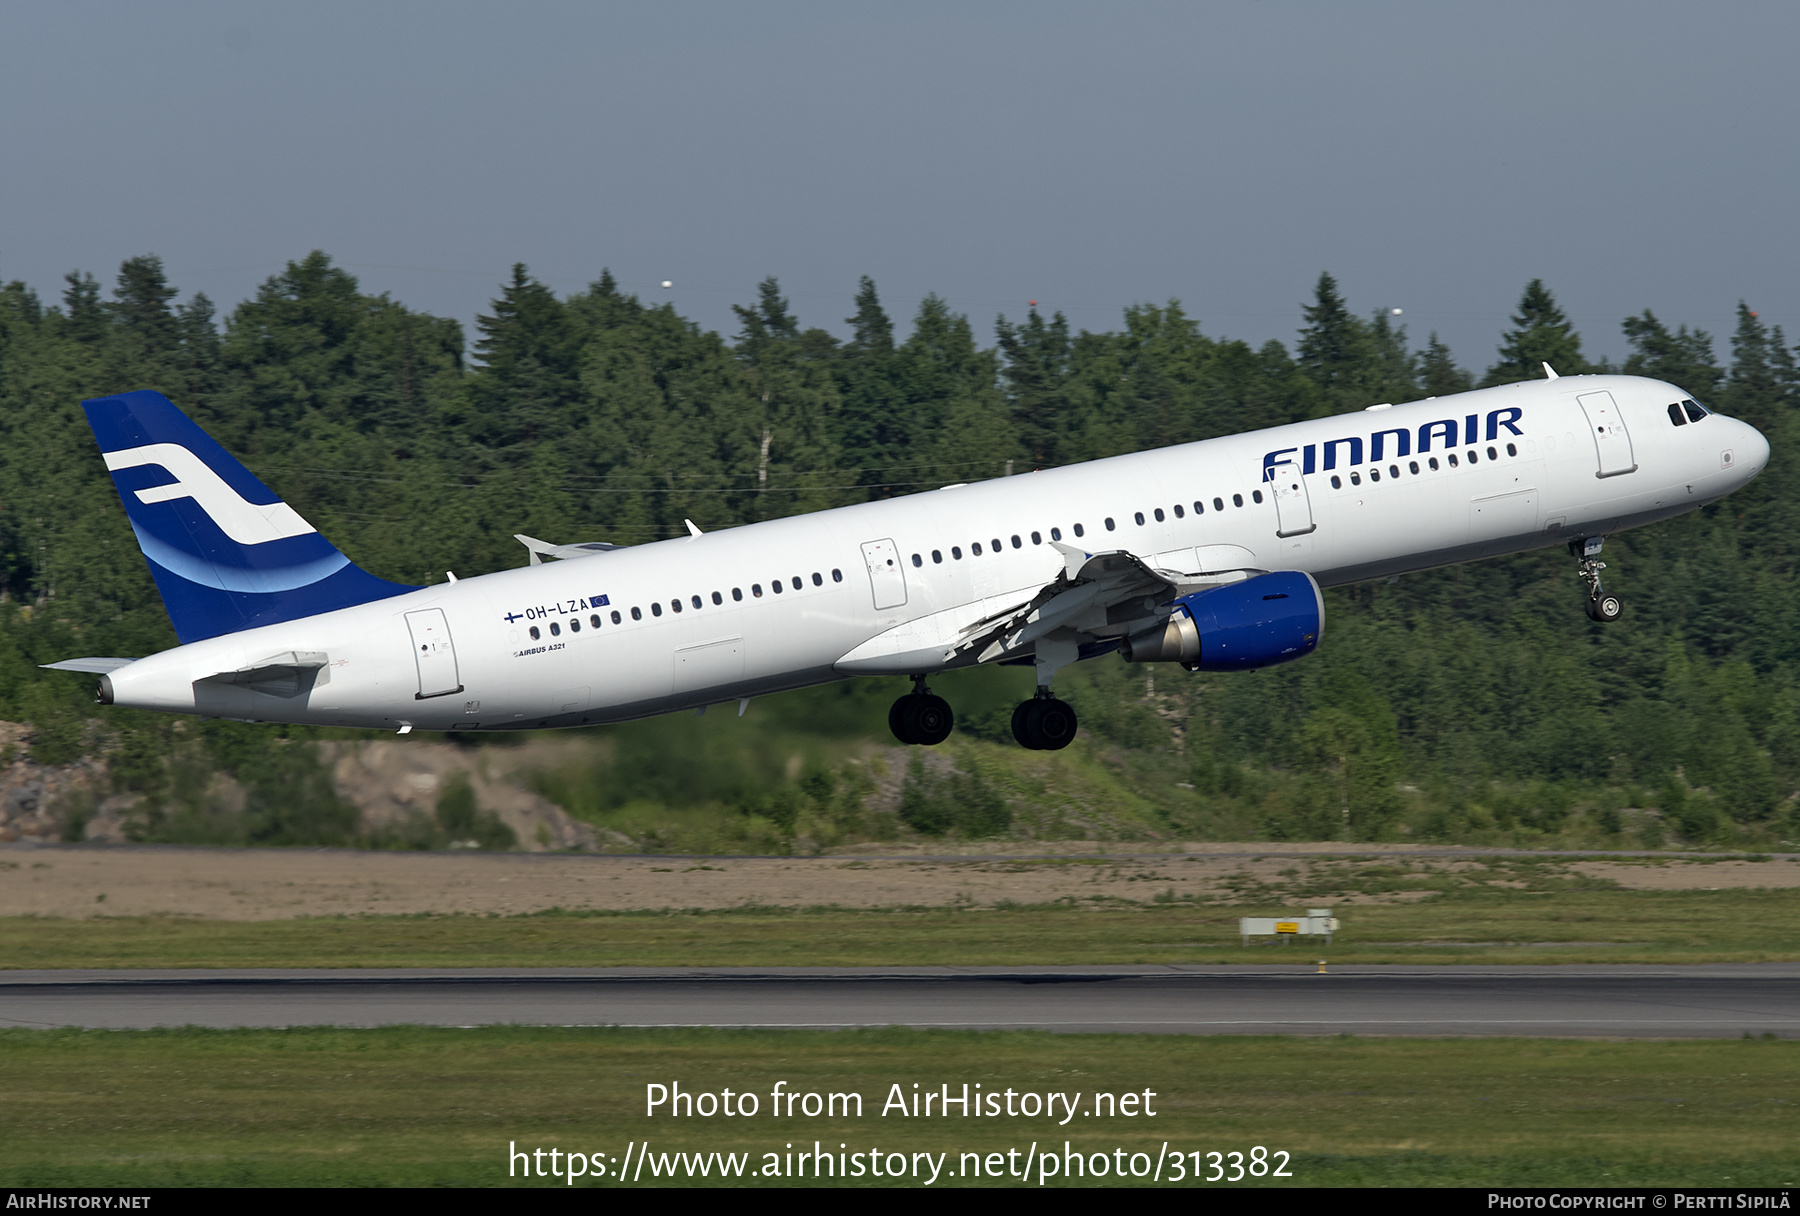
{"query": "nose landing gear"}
(1602, 605)
(920, 717)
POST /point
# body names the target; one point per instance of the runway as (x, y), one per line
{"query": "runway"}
(1727, 1000)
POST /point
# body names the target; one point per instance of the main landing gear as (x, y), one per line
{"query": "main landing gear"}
(920, 717)
(1602, 605)
(1044, 724)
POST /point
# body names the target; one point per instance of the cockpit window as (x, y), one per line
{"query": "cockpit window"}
(1695, 411)
(1675, 414)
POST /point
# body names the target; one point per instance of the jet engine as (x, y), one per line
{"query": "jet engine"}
(1261, 621)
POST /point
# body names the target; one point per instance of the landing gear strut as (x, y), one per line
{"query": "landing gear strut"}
(1602, 605)
(1044, 724)
(920, 717)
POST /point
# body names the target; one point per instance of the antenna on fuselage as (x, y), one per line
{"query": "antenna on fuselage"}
(1550, 373)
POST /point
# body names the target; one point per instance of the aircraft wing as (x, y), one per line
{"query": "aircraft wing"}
(1095, 597)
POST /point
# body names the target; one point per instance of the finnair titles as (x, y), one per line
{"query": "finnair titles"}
(1208, 554)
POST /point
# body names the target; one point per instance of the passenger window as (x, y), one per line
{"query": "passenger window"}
(917, 561)
(1218, 504)
(937, 558)
(1160, 517)
(1037, 539)
(1017, 543)
(1139, 516)
(819, 581)
(719, 599)
(1237, 500)
(574, 626)
(697, 601)
(675, 604)
(837, 576)
(756, 590)
(1199, 507)
(737, 593)
(956, 552)
(1695, 411)
(996, 545)
(535, 635)
(1452, 459)
(1056, 534)
(595, 620)
(1493, 455)
(1474, 459)
(1179, 513)
(1356, 479)
(1393, 470)
(1433, 463)
(1256, 495)
(615, 617)
(1512, 449)
(975, 548)
(775, 586)
(1337, 482)
(637, 614)
(656, 609)
(798, 583)
(555, 630)
(1080, 531)
(1109, 523)
(1412, 467)
(1374, 474)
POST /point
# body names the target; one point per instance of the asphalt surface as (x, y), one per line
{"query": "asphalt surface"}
(1726, 1000)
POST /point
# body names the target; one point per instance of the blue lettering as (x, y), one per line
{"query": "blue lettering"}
(1310, 452)
(1448, 435)
(1469, 431)
(1356, 452)
(1402, 443)
(1273, 459)
(1510, 422)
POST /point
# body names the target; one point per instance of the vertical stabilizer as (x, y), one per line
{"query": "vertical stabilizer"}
(225, 552)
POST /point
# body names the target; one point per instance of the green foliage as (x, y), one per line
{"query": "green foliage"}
(1468, 703)
(936, 803)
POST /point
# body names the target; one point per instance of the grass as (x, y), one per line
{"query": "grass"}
(1555, 924)
(419, 1106)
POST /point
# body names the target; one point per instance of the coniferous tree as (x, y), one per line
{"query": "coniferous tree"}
(1541, 334)
(1334, 349)
(1683, 358)
(1035, 371)
(1439, 374)
(84, 316)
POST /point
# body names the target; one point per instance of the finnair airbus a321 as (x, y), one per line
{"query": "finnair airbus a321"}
(1208, 554)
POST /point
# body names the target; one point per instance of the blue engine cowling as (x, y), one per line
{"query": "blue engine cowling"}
(1269, 619)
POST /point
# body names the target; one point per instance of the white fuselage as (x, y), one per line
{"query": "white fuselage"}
(844, 610)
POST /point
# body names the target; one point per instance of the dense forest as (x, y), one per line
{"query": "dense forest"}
(1472, 703)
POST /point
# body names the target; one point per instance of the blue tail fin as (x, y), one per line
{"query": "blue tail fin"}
(225, 552)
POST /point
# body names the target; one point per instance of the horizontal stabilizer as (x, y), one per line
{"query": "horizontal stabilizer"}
(288, 674)
(97, 667)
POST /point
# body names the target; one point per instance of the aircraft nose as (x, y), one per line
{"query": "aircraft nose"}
(1753, 450)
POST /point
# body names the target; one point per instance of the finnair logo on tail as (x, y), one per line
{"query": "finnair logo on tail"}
(244, 522)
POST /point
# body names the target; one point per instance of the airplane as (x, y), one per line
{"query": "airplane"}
(1211, 555)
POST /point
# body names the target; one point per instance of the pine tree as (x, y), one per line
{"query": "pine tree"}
(1335, 349)
(84, 316)
(1439, 374)
(1683, 358)
(1036, 371)
(1541, 334)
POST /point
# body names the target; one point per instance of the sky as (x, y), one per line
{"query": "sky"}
(1434, 157)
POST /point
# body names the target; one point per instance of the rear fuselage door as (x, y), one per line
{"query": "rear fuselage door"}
(1293, 509)
(886, 578)
(1612, 441)
(434, 652)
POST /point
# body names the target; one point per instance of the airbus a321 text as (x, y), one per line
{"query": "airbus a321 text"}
(1208, 554)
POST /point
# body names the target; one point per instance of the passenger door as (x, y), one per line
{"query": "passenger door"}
(434, 652)
(1612, 442)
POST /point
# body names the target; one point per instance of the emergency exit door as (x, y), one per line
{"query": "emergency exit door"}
(434, 652)
(886, 577)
